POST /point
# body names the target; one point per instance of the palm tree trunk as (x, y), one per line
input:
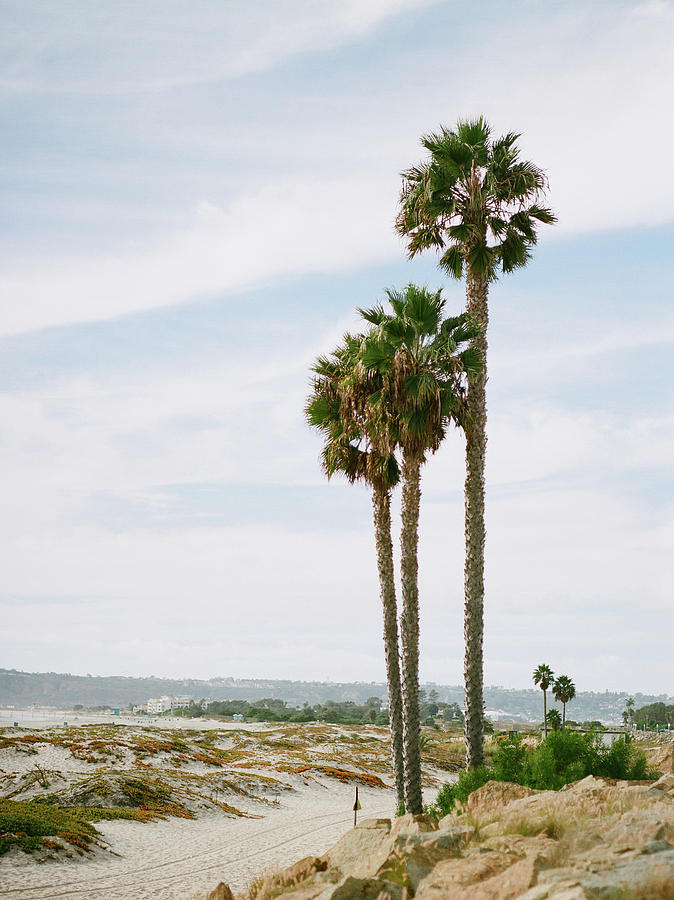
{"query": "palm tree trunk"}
(381, 502)
(409, 631)
(476, 445)
(545, 715)
(563, 713)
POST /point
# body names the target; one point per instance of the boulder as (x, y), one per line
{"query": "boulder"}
(293, 879)
(662, 758)
(635, 830)
(411, 824)
(506, 885)
(494, 796)
(363, 850)
(568, 891)
(639, 876)
(665, 784)
(362, 889)
(453, 874)
(413, 856)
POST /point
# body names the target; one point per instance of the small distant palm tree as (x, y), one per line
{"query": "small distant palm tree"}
(629, 709)
(564, 690)
(544, 676)
(553, 719)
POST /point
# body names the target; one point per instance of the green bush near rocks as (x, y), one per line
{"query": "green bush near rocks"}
(563, 757)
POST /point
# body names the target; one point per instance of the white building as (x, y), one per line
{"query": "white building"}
(157, 705)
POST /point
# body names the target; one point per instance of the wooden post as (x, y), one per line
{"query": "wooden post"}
(356, 807)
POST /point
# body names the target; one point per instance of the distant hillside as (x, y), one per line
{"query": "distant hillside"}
(64, 690)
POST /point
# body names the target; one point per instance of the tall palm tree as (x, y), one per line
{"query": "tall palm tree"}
(421, 360)
(564, 690)
(478, 205)
(544, 676)
(348, 451)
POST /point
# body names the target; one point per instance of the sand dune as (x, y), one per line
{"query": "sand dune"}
(297, 781)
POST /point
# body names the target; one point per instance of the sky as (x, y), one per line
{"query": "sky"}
(195, 198)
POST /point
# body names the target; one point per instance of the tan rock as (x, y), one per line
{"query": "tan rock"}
(665, 783)
(588, 785)
(662, 758)
(413, 856)
(292, 878)
(494, 796)
(362, 850)
(566, 891)
(635, 877)
(539, 847)
(362, 889)
(508, 884)
(458, 872)
(411, 824)
(572, 892)
(635, 830)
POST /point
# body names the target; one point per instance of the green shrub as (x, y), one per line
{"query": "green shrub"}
(623, 760)
(560, 759)
(508, 762)
(565, 756)
(449, 794)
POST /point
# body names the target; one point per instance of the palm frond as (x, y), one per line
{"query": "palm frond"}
(452, 261)
(375, 315)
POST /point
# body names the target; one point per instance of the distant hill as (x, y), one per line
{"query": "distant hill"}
(65, 690)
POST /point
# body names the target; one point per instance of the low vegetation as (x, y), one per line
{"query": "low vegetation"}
(35, 826)
(55, 783)
(563, 757)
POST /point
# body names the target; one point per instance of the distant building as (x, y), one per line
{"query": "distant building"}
(158, 705)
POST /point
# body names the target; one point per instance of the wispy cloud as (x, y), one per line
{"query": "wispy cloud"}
(274, 233)
(181, 46)
(321, 197)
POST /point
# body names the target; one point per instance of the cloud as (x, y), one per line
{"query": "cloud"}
(321, 197)
(181, 47)
(564, 539)
(276, 232)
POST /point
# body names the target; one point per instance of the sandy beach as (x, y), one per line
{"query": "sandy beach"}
(177, 858)
(298, 783)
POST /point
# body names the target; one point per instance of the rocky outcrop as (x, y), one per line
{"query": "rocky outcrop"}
(662, 758)
(593, 839)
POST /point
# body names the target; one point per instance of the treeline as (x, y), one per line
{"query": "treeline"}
(64, 690)
(345, 712)
(654, 715)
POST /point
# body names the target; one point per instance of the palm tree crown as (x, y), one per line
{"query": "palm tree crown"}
(564, 690)
(422, 360)
(543, 676)
(351, 447)
(475, 200)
